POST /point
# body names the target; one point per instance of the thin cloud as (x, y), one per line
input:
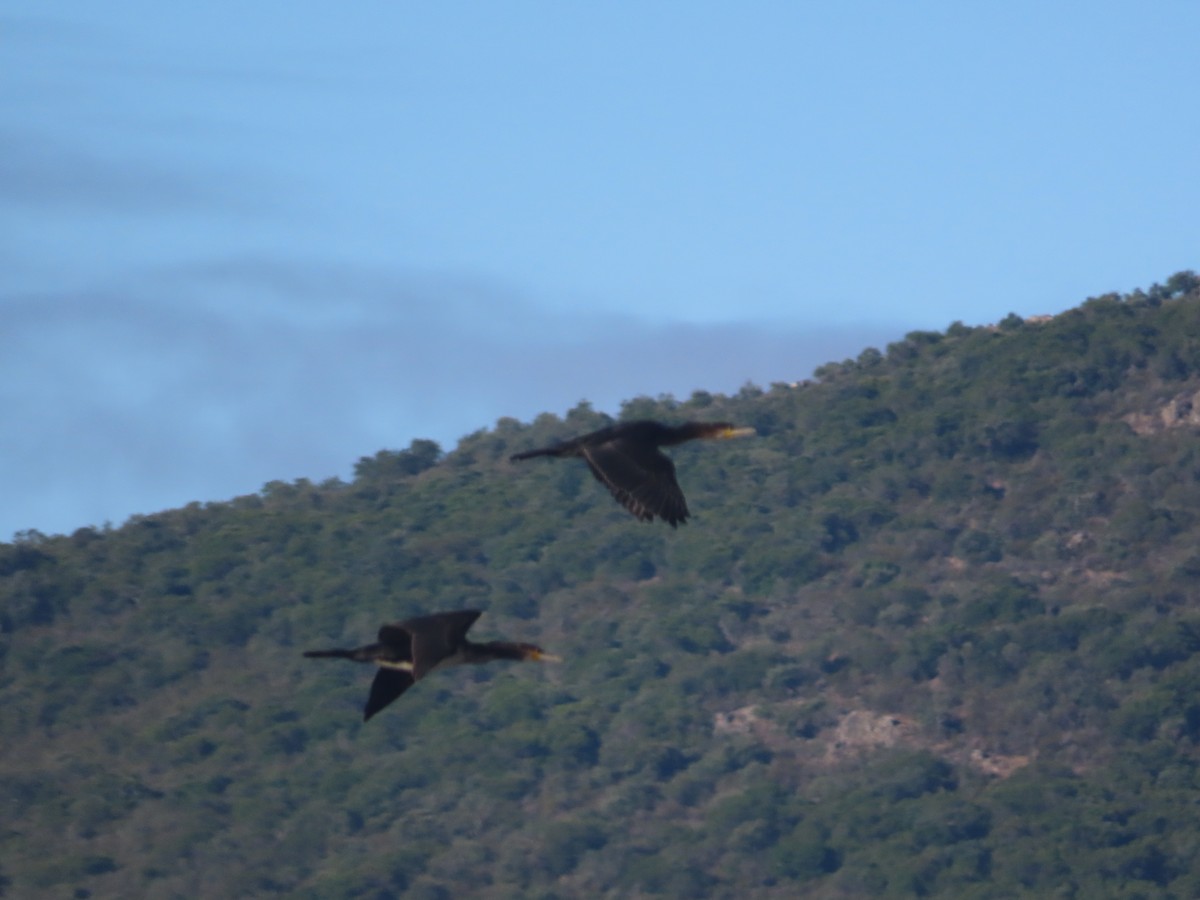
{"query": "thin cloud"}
(142, 398)
(42, 173)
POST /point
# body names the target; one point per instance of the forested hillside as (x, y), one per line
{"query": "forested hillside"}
(934, 632)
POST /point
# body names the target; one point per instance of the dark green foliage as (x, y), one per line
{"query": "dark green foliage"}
(934, 632)
(386, 465)
(804, 854)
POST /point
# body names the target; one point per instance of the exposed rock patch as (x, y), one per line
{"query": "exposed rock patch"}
(861, 731)
(1178, 412)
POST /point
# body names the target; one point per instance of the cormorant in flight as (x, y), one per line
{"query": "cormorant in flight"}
(627, 460)
(408, 651)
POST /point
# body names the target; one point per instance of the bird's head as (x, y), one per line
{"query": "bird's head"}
(723, 430)
(709, 431)
(537, 654)
(732, 431)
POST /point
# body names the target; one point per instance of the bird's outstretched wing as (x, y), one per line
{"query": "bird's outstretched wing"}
(641, 478)
(398, 641)
(436, 637)
(387, 686)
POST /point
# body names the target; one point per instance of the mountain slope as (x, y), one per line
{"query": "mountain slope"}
(933, 632)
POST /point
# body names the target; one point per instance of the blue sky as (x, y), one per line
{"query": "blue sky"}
(248, 242)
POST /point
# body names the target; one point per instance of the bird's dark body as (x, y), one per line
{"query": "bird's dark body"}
(407, 651)
(627, 460)
(645, 432)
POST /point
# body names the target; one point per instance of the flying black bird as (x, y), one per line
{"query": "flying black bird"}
(408, 651)
(626, 459)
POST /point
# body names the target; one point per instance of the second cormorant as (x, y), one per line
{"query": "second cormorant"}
(408, 651)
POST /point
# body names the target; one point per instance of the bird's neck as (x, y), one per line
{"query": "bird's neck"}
(486, 652)
(678, 434)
